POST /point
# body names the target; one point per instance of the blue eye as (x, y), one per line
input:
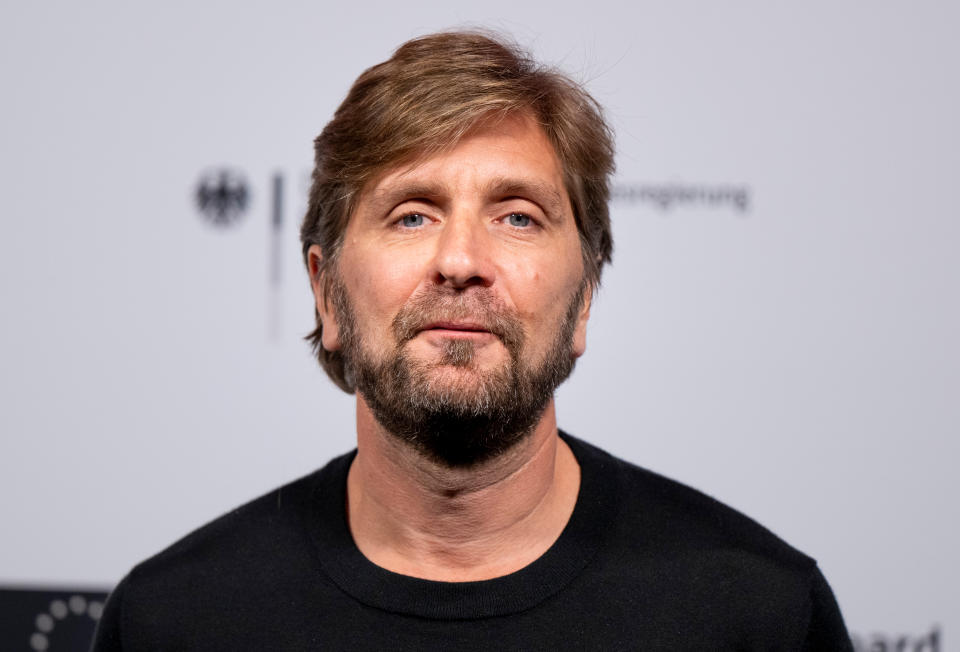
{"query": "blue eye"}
(412, 220)
(518, 219)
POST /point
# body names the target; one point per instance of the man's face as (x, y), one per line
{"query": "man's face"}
(458, 298)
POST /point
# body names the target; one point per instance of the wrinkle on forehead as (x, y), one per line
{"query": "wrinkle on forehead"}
(411, 178)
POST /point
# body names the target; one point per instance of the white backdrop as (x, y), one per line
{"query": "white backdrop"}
(791, 347)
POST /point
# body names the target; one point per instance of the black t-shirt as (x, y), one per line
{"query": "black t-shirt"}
(645, 563)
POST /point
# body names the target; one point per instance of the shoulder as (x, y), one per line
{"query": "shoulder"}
(667, 513)
(237, 537)
(704, 558)
(245, 557)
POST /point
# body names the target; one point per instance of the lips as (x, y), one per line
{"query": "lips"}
(456, 326)
(476, 315)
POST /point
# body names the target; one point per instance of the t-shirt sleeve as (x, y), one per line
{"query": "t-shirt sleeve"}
(107, 637)
(826, 631)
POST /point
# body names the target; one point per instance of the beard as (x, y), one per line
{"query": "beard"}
(482, 413)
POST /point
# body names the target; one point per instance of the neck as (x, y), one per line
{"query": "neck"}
(416, 517)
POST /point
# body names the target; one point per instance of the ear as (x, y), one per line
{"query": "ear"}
(580, 330)
(330, 337)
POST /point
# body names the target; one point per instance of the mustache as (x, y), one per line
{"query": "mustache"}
(479, 306)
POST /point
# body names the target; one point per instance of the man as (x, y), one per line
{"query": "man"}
(455, 235)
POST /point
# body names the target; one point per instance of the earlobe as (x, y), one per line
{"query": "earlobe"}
(580, 329)
(327, 319)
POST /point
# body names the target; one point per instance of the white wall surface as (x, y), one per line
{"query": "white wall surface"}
(798, 360)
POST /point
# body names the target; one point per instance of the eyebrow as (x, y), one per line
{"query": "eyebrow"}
(385, 199)
(545, 195)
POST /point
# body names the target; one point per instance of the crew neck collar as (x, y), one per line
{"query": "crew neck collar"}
(346, 566)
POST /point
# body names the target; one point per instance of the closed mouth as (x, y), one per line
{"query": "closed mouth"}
(467, 327)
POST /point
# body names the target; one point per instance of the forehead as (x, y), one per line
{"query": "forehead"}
(510, 156)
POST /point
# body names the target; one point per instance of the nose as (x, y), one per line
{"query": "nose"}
(463, 256)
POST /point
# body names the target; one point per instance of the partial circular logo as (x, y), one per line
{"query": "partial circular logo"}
(222, 196)
(76, 606)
